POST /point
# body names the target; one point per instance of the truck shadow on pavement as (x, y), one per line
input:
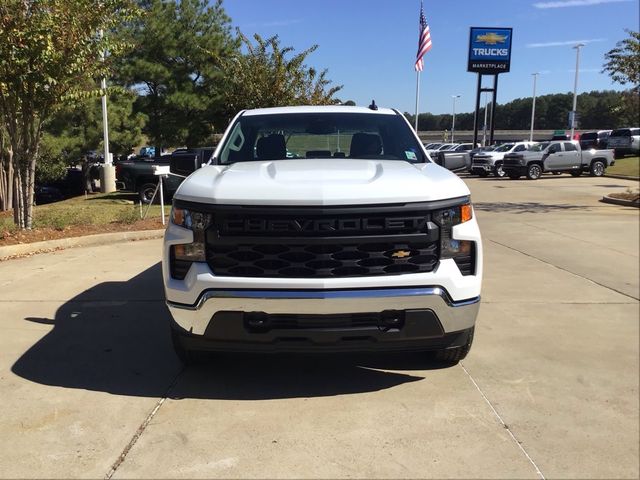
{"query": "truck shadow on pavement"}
(114, 337)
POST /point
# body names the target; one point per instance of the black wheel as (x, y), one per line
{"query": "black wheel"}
(576, 173)
(186, 356)
(145, 193)
(483, 174)
(514, 176)
(498, 171)
(451, 356)
(534, 171)
(597, 168)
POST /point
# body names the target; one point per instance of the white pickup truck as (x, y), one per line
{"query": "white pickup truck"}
(557, 157)
(484, 163)
(322, 229)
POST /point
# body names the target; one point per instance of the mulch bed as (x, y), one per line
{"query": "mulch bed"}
(632, 197)
(42, 234)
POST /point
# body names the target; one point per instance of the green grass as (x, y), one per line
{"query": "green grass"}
(629, 166)
(96, 209)
(301, 144)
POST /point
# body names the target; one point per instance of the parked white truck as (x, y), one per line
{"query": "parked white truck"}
(484, 163)
(557, 157)
(322, 229)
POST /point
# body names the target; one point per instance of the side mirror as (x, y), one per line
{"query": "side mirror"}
(184, 163)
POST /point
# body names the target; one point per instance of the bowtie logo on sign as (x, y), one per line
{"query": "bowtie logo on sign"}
(489, 50)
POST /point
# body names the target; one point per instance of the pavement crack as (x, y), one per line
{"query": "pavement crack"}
(504, 425)
(121, 458)
(565, 270)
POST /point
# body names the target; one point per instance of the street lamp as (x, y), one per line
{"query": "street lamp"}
(575, 88)
(533, 105)
(453, 121)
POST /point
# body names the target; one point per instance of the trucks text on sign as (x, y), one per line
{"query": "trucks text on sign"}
(489, 50)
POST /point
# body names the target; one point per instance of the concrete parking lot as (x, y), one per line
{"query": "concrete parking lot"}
(90, 387)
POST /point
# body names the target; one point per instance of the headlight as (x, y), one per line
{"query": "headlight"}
(461, 251)
(448, 217)
(181, 256)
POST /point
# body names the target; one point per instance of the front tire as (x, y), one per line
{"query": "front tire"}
(498, 171)
(534, 171)
(451, 356)
(145, 193)
(597, 168)
(483, 174)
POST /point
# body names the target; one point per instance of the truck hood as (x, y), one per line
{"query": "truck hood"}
(320, 182)
(490, 155)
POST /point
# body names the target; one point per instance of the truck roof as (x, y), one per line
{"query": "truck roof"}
(318, 109)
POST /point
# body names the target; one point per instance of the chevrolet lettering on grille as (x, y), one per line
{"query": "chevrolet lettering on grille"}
(323, 225)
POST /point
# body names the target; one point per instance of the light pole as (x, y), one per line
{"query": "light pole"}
(453, 121)
(533, 105)
(107, 172)
(575, 88)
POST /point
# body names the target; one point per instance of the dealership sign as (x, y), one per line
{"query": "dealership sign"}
(489, 50)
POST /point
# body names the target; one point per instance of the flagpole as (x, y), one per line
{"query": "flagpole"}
(417, 97)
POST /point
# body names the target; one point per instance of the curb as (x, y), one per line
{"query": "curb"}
(11, 251)
(622, 177)
(620, 201)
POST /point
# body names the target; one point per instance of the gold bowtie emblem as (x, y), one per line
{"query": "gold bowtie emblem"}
(401, 254)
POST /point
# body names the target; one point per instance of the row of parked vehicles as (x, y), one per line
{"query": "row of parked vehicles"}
(593, 153)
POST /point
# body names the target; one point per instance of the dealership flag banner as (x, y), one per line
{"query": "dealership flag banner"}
(424, 45)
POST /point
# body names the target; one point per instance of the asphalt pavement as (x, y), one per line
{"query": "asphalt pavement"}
(90, 386)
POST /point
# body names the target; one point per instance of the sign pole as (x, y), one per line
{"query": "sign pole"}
(493, 108)
(476, 116)
(417, 98)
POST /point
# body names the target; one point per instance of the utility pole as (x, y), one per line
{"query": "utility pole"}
(453, 121)
(575, 89)
(533, 105)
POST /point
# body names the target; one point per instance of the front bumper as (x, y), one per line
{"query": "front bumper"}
(479, 168)
(513, 168)
(394, 319)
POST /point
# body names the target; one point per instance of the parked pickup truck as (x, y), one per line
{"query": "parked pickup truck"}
(557, 157)
(484, 163)
(456, 159)
(625, 141)
(324, 229)
(137, 174)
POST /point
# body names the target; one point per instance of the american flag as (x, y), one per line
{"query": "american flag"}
(424, 41)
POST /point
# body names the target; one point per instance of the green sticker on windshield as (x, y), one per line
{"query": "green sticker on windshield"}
(410, 155)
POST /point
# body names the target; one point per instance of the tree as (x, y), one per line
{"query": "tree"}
(50, 51)
(77, 128)
(623, 61)
(268, 76)
(175, 67)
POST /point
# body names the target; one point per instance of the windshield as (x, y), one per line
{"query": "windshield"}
(623, 132)
(504, 148)
(320, 135)
(445, 146)
(538, 147)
